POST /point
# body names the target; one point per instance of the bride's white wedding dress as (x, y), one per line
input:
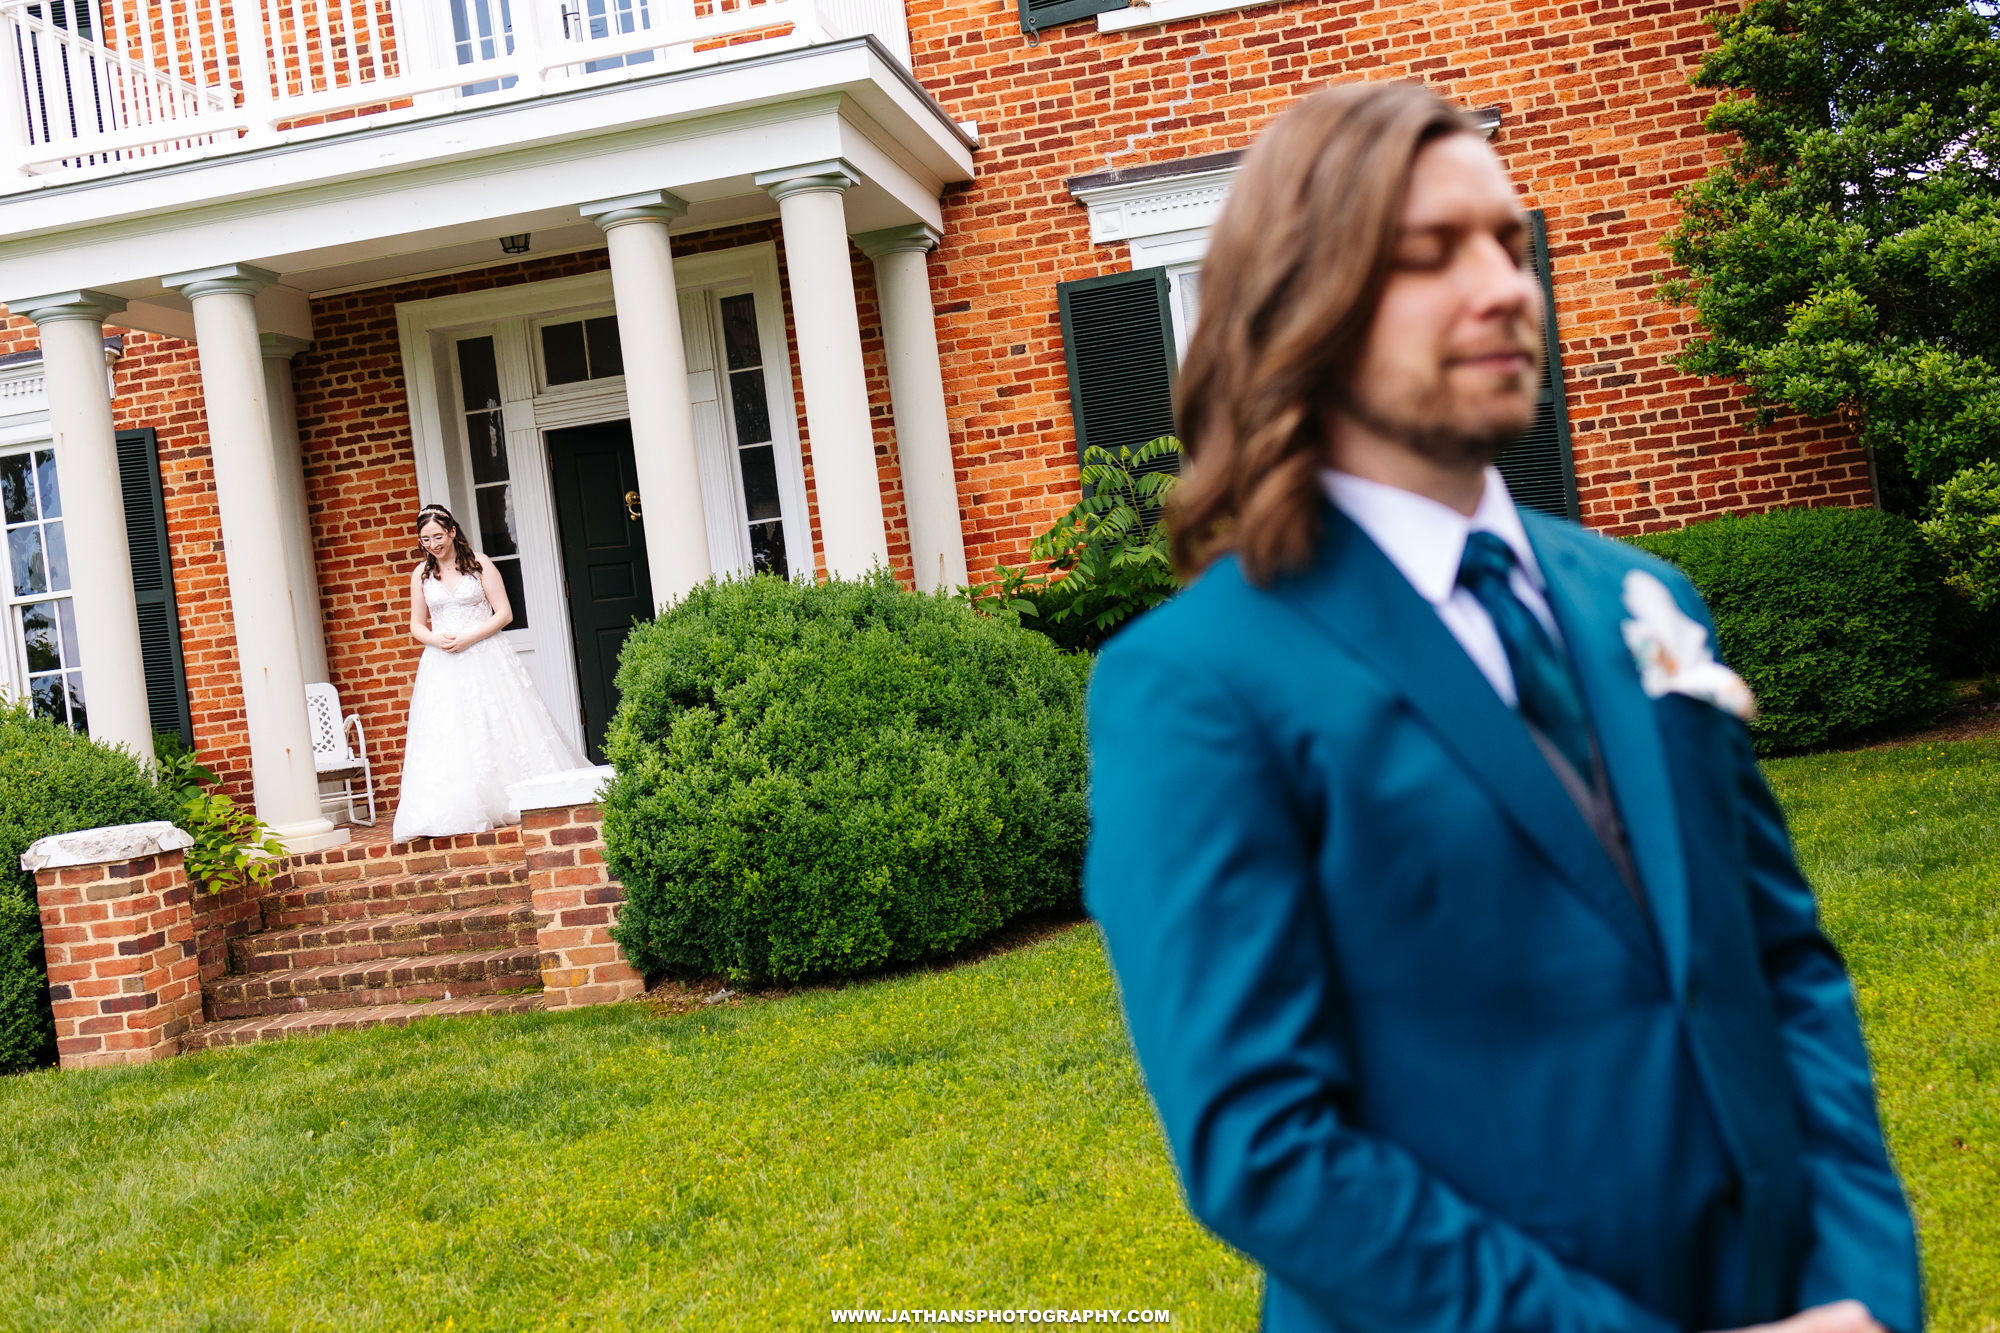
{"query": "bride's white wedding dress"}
(476, 726)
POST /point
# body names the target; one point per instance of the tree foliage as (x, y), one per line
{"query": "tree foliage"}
(1845, 257)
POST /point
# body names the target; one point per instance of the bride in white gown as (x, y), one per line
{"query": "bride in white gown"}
(476, 723)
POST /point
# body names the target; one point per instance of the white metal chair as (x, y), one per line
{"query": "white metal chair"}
(332, 758)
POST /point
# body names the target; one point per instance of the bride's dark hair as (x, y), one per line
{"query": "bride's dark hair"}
(461, 549)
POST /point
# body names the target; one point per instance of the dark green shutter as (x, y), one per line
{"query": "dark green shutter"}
(1039, 14)
(153, 583)
(1540, 471)
(1118, 338)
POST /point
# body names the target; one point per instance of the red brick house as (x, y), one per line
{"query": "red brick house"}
(649, 293)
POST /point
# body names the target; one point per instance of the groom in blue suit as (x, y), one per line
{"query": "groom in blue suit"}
(1461, 940)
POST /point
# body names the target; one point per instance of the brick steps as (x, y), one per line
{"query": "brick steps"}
(400, 895)
(313, 1022)
(380, 982)
(500, 925)
(394, 860)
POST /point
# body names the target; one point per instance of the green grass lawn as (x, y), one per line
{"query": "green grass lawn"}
(1904, 847)
(976, 1137)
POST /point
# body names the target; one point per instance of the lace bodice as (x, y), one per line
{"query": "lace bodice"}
(458, 607)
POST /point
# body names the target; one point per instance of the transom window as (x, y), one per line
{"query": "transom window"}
(583, 349)
(492, 481)
(38, 591)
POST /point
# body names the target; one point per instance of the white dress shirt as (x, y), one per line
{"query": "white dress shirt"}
(1426, 540)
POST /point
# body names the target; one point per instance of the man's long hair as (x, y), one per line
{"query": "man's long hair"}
(1294, 273)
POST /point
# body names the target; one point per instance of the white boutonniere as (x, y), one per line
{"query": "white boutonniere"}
(1671, 650)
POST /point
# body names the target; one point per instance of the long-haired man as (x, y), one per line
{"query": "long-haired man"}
(1461, 940)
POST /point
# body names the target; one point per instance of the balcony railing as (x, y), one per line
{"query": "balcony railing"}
(104, 86)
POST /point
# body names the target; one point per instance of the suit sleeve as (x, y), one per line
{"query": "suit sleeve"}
(1201, 873)
(1863, 1246)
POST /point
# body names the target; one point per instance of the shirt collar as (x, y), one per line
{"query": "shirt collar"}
(1425, 539)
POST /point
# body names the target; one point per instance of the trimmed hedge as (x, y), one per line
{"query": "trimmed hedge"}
(52, 780)
(824, 779)
(1831, 615)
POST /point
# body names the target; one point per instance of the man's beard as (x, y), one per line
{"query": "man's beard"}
(1443, 442)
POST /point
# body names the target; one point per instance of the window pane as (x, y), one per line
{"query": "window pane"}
(1190, 299)
(49, 697)
(489, 447)
(607, 356)
(24, 557)
(739, 331)
(58, 557)
(510, 579)
(751, 408)
(45, 478)
(478, 374)
(497, 535)
(66, 617)
(563, 355)
(77, 717)
(767, 549)
(760, 483)
(38, 632)
(17, 498)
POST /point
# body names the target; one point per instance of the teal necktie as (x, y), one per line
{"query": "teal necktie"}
(1542, 678)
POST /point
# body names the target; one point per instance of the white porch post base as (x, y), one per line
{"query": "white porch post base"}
(656, 390)
(916, 384)
(251, 506)
(100, 561)
(813, 217)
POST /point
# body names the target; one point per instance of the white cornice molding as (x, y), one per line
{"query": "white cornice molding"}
(1135, 210)
(24, 392)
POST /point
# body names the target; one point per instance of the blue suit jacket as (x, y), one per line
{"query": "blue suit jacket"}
(1417, 1049)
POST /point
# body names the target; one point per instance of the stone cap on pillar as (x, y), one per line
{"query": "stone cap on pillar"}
(247, 279)
(646, 206)
(105, 846)
(553, 791)
(836, 175)
(917, 236)
(78, 303)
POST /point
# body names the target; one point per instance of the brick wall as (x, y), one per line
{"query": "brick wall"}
(123, 975)
(1598, 125)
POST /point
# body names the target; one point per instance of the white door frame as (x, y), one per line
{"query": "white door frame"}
(428, 332)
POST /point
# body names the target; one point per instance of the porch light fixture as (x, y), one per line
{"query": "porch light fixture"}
(515, 245)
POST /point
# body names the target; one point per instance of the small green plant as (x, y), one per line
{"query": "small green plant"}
(1106, 560)
(231, 845)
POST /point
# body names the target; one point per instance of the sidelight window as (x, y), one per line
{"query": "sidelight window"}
(750, 414)
(38, 591)
(492, 480)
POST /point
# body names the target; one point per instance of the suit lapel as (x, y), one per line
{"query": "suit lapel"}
(1586, 595)
(1359, 599)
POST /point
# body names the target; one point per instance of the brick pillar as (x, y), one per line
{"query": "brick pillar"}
(576, 900)
(118, 924)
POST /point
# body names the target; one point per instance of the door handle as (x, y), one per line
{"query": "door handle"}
(632, 505)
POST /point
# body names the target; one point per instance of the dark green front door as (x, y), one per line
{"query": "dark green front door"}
(605, 579)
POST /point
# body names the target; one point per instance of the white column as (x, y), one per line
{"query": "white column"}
(100, 561)
(916, 384)
(288, 462)
(252, 507)
(656, 392)
(814, 218)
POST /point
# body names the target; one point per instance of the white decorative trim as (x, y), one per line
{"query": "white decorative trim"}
(1140, 14)
(553, 791)
(1139, 209)
(106, 846)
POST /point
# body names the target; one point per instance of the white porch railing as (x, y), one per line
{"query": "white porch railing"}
(91, 87)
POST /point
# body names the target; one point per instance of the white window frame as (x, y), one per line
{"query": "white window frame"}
(1164, 223)
(428, 332)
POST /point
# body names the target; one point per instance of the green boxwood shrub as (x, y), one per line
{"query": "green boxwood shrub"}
(52, 780)
(823, 779)
(1829, 614)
